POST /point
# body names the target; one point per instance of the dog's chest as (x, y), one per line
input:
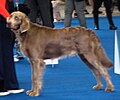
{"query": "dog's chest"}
(24, 47)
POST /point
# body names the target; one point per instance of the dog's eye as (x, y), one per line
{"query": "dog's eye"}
(16, 18)
(10, 16)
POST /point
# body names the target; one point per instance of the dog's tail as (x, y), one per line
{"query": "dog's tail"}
(100, 52)
(106, 62)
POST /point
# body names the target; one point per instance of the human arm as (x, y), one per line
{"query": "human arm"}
(3, 10)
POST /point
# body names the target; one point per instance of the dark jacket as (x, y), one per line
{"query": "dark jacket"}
(10, 4)
(78, 0)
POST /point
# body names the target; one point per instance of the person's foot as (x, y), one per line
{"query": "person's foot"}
(112, 27)
(16, 59)
(15, 91)
(96, 27)
(4, 93)
(75, 15)
(100, 12)
(57, 20)
(86, 12)
(20, 57)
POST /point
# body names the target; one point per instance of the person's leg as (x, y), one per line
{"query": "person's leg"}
(108, 10)
(3, 92)
(118, 4)
(51, 13)
(33, 10)
(56, 11)
(46, 12)
(69, 7)
(79, 7)
(91, 2)
(10, 80)
(97, 5)
(85, 7)
(108, 4)
(1, 57)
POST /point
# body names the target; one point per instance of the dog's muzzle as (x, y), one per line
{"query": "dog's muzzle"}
(8, 25)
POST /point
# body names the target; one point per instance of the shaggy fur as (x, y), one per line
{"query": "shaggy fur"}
(39, 43)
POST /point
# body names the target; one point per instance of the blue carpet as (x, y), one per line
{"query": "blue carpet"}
(71, 79)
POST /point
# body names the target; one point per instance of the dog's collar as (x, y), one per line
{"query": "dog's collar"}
(18, 31)
(24, 32)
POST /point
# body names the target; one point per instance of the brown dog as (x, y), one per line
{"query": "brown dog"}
(39, 43)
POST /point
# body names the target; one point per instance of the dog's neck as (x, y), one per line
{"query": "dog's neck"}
(20, 35)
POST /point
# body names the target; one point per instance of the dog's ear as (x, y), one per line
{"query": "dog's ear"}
(25, 24)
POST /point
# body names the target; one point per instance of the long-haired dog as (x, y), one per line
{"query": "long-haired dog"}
(39, 43)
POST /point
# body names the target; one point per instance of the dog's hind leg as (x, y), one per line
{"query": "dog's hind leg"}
(95, 72)
(37, 74)
(93, 60)
(106, 76)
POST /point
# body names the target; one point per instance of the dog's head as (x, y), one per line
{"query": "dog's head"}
(18, 21)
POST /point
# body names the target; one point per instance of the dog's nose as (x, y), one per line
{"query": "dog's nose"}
(8, 25)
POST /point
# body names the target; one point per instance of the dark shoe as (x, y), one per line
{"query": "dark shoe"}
(86, 12)
(4, 93)
(96, 27)
(100, 12)
(20, 57)
(75, 15)
(112, 27)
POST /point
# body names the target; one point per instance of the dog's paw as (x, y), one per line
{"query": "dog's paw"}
(109, 89)
(97, 87)
(32, 93)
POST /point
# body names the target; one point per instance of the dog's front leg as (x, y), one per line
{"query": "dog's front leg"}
(37, 73)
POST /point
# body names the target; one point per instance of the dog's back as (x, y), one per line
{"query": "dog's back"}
(66, 40)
